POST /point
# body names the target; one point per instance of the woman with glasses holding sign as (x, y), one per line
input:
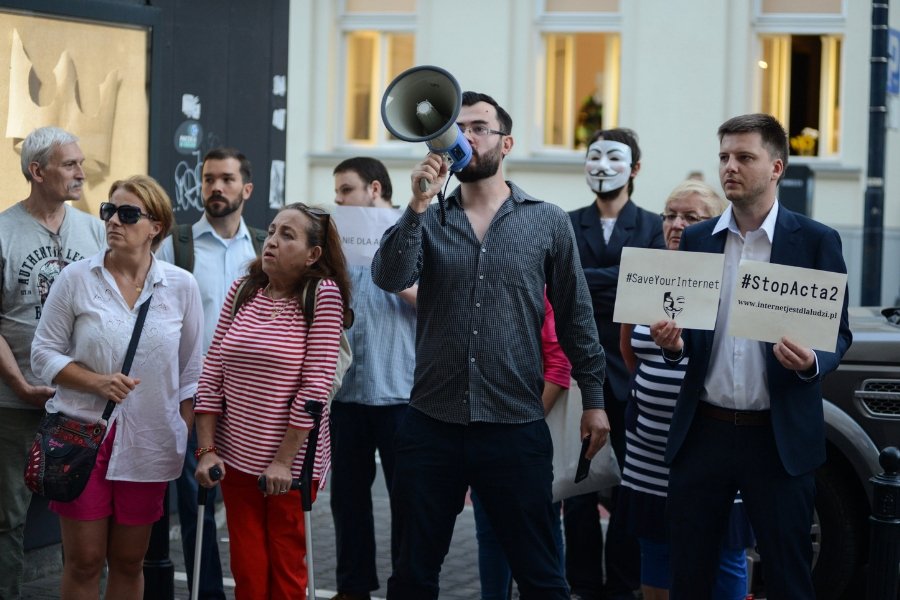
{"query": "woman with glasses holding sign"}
(267, 360)
(79, 347)
(648, 415)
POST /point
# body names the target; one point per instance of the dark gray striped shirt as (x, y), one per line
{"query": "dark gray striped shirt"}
(481, 307)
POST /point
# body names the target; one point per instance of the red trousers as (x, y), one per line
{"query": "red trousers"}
(268, 542)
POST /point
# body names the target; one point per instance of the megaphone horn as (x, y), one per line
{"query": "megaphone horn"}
(421, 105)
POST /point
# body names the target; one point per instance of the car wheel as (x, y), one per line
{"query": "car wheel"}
(839, 530)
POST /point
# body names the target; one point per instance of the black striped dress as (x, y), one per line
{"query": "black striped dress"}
(645, 476)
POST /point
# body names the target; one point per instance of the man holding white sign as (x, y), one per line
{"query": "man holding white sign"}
(375, 392)
(749, 415)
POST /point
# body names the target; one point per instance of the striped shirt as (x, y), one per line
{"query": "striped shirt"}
(481, 307)
(654, 392)
(260, 370)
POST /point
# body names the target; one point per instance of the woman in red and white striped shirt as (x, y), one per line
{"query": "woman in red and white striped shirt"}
(266, 361)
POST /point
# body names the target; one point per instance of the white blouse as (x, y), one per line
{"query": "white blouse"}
(86, 320)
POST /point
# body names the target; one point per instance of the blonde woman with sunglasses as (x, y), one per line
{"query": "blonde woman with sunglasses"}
(79, 347)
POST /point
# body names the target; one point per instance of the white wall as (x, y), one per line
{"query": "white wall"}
(686, 67)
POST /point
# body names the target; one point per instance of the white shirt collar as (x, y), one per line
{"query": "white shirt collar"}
(203, 226)
(156, 274)
(726, 221)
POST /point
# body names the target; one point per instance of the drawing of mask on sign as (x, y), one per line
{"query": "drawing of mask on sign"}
(673, 305)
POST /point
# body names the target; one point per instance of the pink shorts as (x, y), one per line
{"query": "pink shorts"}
(127, 502)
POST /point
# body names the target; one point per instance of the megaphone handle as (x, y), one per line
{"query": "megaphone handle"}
(423, 185)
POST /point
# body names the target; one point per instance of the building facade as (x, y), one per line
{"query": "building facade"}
(672, 71)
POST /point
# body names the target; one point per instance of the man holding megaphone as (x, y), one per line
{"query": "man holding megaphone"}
(476, 417)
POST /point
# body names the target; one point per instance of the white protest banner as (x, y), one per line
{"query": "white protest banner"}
(361, 228)
(665, 284)
(771, 301)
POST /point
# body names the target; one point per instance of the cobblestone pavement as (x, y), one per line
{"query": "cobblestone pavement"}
(459, 576)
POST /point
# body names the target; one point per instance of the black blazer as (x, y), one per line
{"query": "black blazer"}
(797, 416)
(635, 227)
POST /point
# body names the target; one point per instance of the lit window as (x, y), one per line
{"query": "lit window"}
(373, 60)
(582, 86)
(800, 85)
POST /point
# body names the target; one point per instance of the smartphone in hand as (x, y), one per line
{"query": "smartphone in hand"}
(584, 463)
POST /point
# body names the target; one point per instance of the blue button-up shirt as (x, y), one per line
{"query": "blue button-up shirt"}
(217, 263)
(481, 308)
(383, 342)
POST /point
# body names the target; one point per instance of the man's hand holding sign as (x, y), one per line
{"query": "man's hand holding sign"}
(796, 309)
(771, 301)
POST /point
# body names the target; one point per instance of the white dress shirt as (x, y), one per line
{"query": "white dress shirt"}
(736, 377)
(86, 320)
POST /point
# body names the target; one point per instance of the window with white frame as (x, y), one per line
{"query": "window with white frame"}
(800, 71)
(379, 44)
(579, 70)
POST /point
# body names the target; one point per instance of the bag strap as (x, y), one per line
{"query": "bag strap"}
(183, 246)
(241, 296)
(132, 347)
(258, 237)
(309, 302)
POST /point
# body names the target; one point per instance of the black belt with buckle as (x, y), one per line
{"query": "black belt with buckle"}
(752, 418)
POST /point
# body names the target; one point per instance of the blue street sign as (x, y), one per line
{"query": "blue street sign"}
(893, 83)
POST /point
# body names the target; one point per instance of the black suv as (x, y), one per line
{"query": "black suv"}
(862, 416)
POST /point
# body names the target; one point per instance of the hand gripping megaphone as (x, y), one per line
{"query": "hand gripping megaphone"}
(421, 105)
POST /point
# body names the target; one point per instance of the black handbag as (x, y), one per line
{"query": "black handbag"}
(64, 449)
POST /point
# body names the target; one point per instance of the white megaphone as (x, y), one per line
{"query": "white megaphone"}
(421, 105)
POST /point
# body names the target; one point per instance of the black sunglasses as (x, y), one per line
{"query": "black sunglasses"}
(128, 214)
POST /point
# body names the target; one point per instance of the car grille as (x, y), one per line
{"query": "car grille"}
(881, 397)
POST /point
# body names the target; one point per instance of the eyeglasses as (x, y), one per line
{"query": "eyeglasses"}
(320, 214)
(480, 130)
(128, 214)
(689, 218)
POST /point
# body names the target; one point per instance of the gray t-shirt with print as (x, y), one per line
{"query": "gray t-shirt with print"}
(30, 258)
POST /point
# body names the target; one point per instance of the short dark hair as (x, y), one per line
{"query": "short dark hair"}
(774, 137)
(623, 135)
(369, 170)
(223, 153)
(470, 98)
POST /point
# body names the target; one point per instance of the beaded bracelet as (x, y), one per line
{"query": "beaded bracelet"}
(201, 451)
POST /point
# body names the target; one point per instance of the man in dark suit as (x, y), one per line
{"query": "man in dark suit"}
(749, 416)
(602, 229)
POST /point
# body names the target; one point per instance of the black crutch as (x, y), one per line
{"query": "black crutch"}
(304, 484)
(215, 473)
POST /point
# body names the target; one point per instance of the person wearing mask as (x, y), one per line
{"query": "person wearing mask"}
(611, 222)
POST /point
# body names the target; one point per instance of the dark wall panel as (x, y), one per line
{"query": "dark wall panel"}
(225, 53)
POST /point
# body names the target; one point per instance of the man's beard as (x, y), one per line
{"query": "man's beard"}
(225, 210)
(487, 166)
